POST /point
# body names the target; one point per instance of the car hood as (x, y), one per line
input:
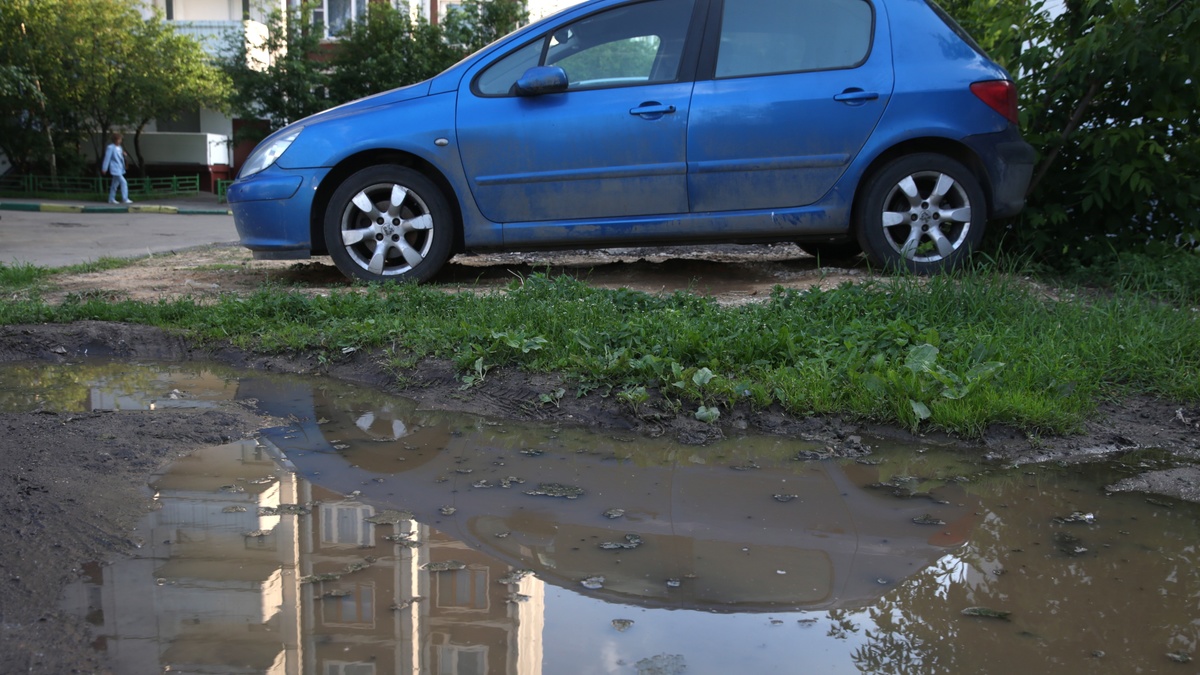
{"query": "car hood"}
(373, 101)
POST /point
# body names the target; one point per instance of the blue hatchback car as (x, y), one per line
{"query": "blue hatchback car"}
(842, 125)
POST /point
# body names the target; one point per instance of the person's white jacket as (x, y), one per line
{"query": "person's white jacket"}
(114, 160)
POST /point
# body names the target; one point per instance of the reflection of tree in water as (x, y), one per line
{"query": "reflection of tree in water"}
(1129, 593)
(909, 624)
(66, 387)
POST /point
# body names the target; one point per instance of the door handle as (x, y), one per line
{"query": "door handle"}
(652, 110)
(856, 96)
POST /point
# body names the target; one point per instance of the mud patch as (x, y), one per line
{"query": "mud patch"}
(1181, 483)
(70, 492)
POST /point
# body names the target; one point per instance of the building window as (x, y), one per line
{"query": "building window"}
(463, 589)
(355, 608)
(344, 668)
(462, 660)
(335, 15)
(345, 525)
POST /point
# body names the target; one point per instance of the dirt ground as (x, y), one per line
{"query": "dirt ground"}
(71, 485)
(732, 274)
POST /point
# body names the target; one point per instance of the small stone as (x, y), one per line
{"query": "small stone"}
(986, 613)
(928, 519)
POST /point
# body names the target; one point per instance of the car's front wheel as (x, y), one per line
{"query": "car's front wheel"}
(388, 223)
(923, 212)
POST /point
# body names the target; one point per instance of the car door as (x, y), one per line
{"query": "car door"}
(612, 144)
(796, 88)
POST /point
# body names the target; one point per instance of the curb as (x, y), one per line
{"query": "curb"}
(137, 208)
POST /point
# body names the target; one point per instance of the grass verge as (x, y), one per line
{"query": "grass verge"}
(956, 353)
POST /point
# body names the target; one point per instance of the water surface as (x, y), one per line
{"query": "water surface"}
(368, 536)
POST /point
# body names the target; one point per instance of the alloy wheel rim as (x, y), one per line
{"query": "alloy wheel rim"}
(387, 229)
(926, 216)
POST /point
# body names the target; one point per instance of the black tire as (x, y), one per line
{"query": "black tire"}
(924, 213)
(394, 207)
(831, 252)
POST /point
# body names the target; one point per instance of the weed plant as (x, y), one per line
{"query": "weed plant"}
(957, 353)
(21, 276)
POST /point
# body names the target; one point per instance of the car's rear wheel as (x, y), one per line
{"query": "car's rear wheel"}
(388, 223)
(923, 212)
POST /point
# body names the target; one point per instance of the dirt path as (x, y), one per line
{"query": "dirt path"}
(732, 274)
(71, 485)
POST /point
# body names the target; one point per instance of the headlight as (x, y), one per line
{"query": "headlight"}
(266, 154)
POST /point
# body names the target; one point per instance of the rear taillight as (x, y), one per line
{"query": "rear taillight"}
(1000, 95)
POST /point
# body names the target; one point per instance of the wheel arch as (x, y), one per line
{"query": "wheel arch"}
(942, 146)
(348, 166)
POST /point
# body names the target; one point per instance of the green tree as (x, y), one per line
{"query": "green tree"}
(19, 94)
(476, 24)
(168, 73)
(74, 67)
(52, 43)
(381, 51)
(386, 50)
(284, 77)
(1110, 101)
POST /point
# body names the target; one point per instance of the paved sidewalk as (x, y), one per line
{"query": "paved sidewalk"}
(195, 205)
(58, 233)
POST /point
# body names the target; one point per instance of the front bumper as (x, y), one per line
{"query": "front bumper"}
(272, 211)
(1008, 160)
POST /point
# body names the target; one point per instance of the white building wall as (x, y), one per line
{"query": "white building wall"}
(539, 9)
(217, 10)
(216, 123)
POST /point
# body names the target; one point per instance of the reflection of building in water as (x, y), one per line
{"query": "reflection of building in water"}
(200, 593)
(219, 586)
(396, 616)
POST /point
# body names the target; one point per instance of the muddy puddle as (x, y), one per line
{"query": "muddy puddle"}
(368, 536)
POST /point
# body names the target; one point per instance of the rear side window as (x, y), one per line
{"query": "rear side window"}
(787, 36)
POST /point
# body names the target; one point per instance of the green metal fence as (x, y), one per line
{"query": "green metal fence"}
(94, 186)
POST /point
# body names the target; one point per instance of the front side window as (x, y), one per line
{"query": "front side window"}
(629, 45)
(787, 36)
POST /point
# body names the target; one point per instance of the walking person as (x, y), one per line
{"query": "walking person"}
(114, 165)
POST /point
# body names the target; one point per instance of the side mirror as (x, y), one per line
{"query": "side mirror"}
(541, 80)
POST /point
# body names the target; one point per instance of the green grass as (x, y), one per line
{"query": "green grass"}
(1160, 271)
(21, 276)
(98, 265)
(957, 353)
(28, 279)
